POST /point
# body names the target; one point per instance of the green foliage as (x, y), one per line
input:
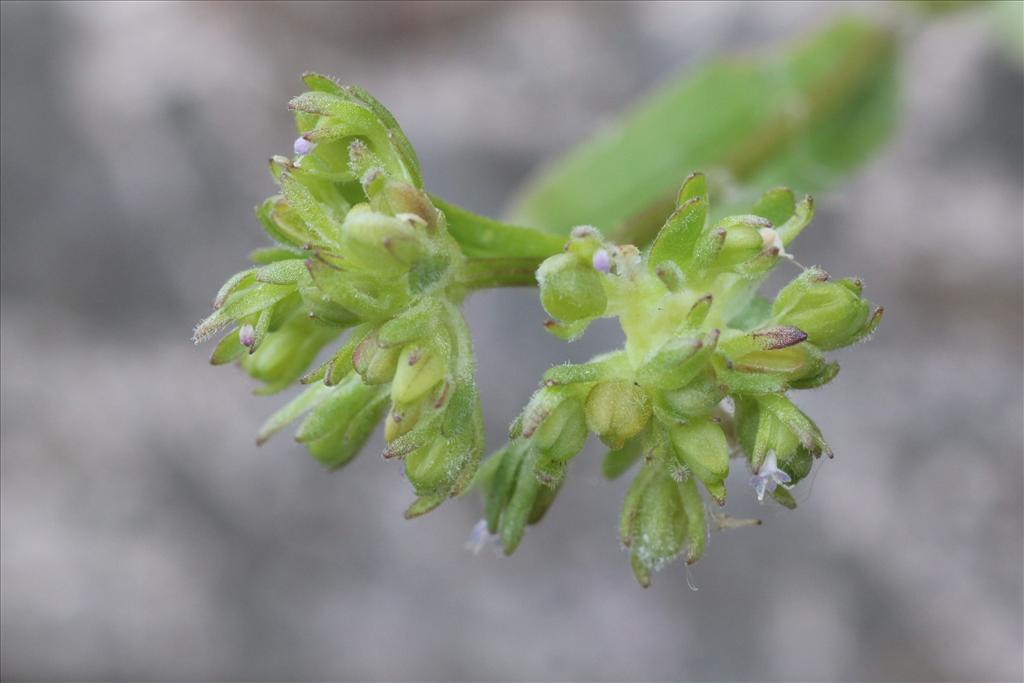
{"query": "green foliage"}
(803, 118)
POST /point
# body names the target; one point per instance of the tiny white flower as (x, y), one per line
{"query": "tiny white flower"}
(246, 335)
(480, 538)
(771, 239)
(602, 263)
(302, 146)
(768, 477)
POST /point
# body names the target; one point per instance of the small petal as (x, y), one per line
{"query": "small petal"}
(602, 262)
(303, 146)
(480, 538)
(768, 477)
(247, 335)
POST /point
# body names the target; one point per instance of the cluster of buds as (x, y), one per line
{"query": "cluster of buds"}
(702, 378)
(363, 252)
(360, 247)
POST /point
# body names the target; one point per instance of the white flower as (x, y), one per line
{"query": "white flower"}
(480, 538)
(302, 146)
(247, 335)
(772, 240)
(768, 477)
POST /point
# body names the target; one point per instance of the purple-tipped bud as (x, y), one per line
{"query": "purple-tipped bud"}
(303, 146)
(602, 263)
(247, 335)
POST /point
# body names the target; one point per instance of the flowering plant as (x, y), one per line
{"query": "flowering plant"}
(363, 251)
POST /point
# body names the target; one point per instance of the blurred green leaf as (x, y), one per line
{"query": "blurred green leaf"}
(802, 119)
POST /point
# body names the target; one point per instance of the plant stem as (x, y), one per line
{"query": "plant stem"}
(480, 236)
(485, 273)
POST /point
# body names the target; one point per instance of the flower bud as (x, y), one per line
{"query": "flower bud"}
(561, 436)
(429, 468)
(418, 371)
(694, 399)
(375, 364)
(302, 146)
(401, 418)
(769, 360)
(515, 497)
(398, 198)
(286, 352)
(671, 275)
(653, 525)
(378, 242)
(246, 335)
(700, 446)
(743, 240)
(832, 313)
(617, 410)
(772, 424)
(570, 289)
(678, 361)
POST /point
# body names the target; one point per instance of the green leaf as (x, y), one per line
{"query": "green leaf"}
(803, 118)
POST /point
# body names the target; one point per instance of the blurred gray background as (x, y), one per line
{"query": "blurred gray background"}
(144, 536)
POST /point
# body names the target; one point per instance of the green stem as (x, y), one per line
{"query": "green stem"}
(485, 273)
(479, 236)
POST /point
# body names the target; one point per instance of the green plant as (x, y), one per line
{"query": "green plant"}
(362, 249)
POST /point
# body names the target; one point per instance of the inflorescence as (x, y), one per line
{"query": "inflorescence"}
(701, 380)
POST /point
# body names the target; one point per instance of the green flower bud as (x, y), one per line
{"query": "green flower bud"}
(653, 525)
(694, 399)
(445, 464)
(701, 448)
(383, 243)
(768, 360)
(376, 365)
(418, 371)
(743, 239)
(671, 275)
(561, 436)
(515, 497)
(571, 289)
(832, 313)
(678, 361)
(429, 468)
(617, 410)
(772, 424)
(402, 418)
(397, 198)
(285, 354)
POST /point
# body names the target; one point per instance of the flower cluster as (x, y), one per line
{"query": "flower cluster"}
(366, 260)
(360, 247)
(703, 375)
